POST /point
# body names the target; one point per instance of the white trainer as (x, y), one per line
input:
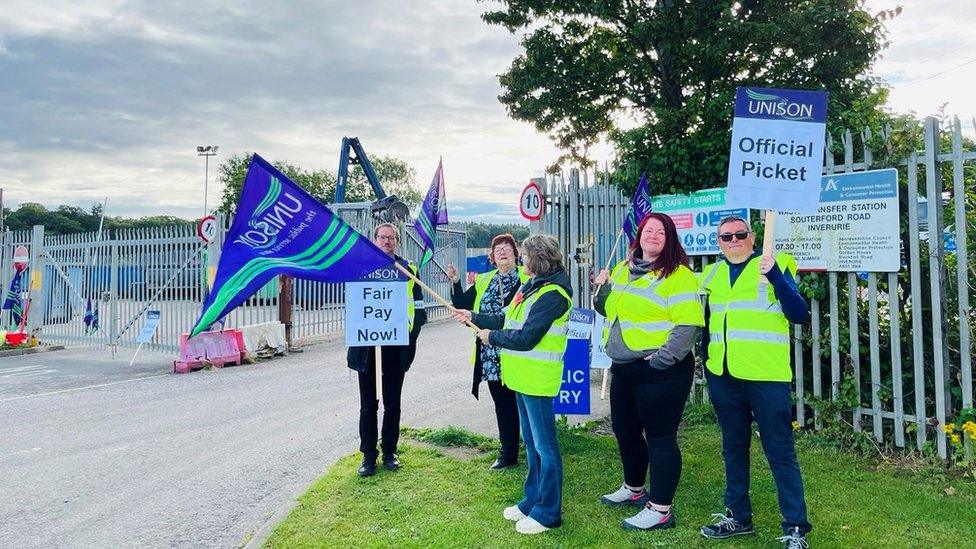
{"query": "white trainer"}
(513, 513)
(529, 525)
(625, 496)
(649, 519)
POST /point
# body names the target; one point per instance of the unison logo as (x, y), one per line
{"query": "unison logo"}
(271, 216)
(774, 105)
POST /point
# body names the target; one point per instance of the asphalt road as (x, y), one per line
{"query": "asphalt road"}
(94, 453)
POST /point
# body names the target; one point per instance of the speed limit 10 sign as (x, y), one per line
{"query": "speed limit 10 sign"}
(207, 229)
(532, 202)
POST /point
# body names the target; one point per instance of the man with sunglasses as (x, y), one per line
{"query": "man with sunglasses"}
(751, 301)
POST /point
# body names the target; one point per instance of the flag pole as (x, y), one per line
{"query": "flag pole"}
(767, 249)
(613, 254)
(429, 290)
(379, 375)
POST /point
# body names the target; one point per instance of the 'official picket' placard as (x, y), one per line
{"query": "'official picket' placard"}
(777, 150)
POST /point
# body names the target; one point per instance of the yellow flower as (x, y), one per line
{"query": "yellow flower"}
(796, 425)
(954, 439)
(969, 427)
(949, 428)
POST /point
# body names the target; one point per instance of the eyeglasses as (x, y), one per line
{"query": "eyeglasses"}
(739, 235)
(508, 249)
(387, 238)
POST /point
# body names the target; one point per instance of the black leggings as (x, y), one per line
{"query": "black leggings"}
(645, 409)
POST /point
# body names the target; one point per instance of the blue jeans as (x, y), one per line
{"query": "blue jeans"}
(737, 402)
(544, 480)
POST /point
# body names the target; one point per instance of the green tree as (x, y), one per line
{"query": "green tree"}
(657, 79)
(480, 234)
(396, 176)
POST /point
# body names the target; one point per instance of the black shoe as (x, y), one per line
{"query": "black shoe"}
(794, 539)
(726, 527)
(368, 468)
(503, 464)
(391, 462)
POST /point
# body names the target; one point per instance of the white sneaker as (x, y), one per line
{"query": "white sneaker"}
(625, 496)
(529, 525)
(513, 513)
(649, 519)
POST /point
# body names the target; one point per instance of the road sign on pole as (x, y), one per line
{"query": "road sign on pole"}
(207, 229)
(532, 203)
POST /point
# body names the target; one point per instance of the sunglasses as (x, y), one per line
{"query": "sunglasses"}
(740, 235)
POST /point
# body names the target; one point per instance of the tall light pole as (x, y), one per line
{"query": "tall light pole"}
(206, 151)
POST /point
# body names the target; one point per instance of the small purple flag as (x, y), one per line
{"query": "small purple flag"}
(281, 229)
(639, 208)
(433, 212)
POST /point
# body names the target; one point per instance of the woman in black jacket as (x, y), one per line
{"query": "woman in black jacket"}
(489, 294)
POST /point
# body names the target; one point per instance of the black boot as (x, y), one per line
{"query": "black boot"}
(368, 468)
(503, 463)
(391, 462)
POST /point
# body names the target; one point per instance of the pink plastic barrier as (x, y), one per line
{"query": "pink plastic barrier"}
(209, 348)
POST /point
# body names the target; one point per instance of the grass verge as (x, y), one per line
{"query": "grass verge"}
(441, 501)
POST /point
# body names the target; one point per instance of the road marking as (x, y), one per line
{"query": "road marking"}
(20, 368)
(74, 389)
(20, 375)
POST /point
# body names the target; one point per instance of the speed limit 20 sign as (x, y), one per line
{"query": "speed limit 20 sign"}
(532, 203)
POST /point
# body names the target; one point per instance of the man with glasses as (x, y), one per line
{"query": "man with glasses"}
(751, 301)
(396, 361)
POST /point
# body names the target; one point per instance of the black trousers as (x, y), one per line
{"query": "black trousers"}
(392, 379)
(506, 413)
(645, 409)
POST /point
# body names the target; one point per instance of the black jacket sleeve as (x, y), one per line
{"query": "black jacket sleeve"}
(489, 322)
(419, 315)
(600, 303)
(540, 318)
(784, 286)
(461, 298)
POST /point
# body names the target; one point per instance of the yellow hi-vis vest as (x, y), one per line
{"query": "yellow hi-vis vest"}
(747, 328)
(649, 307)
(538, 371)
(480, 286)
(411, 303)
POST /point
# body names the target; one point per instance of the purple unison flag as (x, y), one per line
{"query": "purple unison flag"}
(433, 212)
(13, 300)
(639, 208)
(281, 229)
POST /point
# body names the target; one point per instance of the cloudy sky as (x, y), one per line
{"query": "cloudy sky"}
(112, 97)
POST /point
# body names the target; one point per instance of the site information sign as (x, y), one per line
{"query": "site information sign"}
(376, 309)
(855, 229)
(696, 216)
(777, 149)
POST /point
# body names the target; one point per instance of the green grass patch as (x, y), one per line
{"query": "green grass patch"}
(437, 500)
(451, 436)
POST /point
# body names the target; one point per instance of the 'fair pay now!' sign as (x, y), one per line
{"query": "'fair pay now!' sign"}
(376, 310)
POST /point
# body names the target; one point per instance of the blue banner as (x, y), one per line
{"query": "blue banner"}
(281, 229)
(574, 393)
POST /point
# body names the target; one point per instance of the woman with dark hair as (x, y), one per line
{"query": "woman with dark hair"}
(531, 337)
(490, 294)
(653, 316)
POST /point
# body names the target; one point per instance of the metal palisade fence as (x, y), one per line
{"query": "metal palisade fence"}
(92, 289)
(890, 353)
